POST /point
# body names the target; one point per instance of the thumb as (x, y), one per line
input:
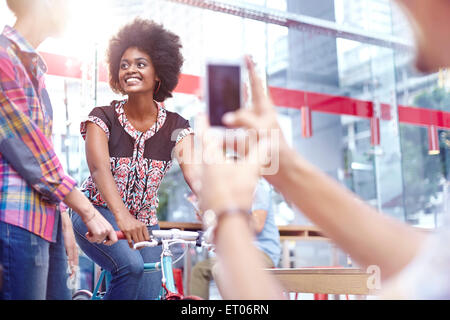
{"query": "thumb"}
(243, 118)
(89, 236)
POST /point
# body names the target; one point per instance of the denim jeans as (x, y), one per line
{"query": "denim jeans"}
(33, 268)
(128, 280)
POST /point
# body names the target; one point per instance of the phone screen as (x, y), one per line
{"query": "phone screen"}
(224, 91)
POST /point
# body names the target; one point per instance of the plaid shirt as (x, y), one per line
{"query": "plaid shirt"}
(32, 180)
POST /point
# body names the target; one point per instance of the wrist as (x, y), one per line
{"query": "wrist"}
(121, 215)
(233, 220)
(79, 203)
(89, 216)
(290, 162)
(215, 220)
(65, 220)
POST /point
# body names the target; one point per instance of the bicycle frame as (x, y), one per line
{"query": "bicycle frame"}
(166, 239)
(167, 280)
(168, 289)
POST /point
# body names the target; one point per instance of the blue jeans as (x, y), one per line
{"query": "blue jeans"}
(33, 268)
(128, 280)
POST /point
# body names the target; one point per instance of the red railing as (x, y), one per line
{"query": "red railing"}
(317, 102)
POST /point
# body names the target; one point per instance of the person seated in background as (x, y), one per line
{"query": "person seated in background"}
(267, 240)
(413, 264)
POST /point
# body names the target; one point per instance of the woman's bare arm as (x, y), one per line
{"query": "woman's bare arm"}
(97, 155)
(370, 237)
(184, 153)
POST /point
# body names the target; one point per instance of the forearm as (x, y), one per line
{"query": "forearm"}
(80, 204)
(370, 237)
(98, 227)
(66, 222)
(184, 153)
(235, 250)
(30, 153)
(107, 187)
(189, 177)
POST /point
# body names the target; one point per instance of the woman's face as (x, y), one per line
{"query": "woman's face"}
(136, 72)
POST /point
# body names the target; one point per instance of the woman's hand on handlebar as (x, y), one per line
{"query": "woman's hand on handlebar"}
(134, 230)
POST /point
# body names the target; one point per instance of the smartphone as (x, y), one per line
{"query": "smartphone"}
(224, 89)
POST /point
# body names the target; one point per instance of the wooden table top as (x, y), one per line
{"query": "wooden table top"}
(289, 232)
(324, 280)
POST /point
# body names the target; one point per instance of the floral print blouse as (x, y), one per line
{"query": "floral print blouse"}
(139, 160)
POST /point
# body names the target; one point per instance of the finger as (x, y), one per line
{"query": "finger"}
(72, 269)
(137, 236)
(108, 242)
(90, 237)
(246, 139)
(256, 85)
(111, 238)
(243, 118)
(260, 160)
(143, 234)
(146, 234)
(94, 238)
(212, 147)
(129, 239)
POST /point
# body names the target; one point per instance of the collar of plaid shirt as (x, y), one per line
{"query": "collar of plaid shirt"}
(25, 48)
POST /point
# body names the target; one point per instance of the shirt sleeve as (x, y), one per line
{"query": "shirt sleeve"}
(24, 145)
(261, 198)
(99, 117)
(184, 130)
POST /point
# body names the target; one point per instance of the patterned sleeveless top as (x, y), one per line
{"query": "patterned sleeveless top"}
(139, 160)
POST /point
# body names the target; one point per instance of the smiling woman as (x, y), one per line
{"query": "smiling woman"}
(130, 144)
(136, 73)
(160, 45)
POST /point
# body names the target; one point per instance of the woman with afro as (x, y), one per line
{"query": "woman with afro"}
(130, 145)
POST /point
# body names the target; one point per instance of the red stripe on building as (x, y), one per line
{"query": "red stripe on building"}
(189, 84)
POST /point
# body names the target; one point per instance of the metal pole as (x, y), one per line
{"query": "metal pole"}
(301, 22)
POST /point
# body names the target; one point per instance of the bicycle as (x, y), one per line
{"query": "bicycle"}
(166, 238)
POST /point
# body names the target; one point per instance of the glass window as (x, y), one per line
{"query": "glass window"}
(398, 176)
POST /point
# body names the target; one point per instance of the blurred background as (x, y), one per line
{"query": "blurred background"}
(344, 66)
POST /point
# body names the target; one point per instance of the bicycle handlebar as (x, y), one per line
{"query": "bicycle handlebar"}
(172, 234)
(120, 235)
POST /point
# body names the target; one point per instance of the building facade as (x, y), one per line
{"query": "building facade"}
(399, 173)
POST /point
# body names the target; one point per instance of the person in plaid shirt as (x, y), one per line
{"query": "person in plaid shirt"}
(32, 180)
